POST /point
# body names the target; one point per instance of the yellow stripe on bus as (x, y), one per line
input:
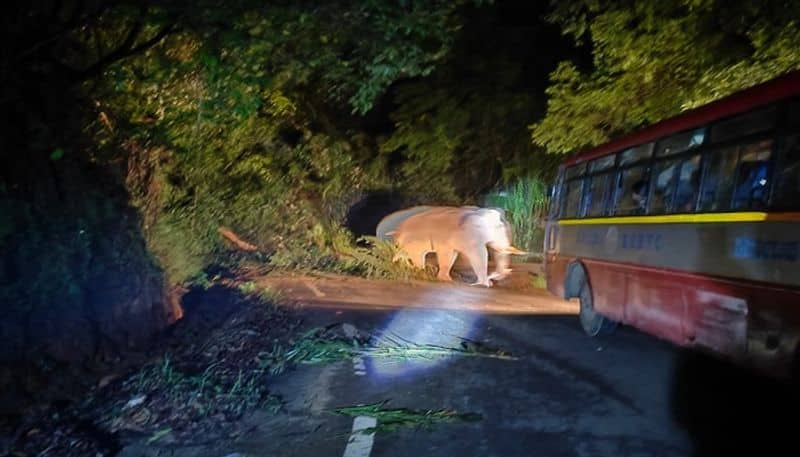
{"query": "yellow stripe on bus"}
(701, 218)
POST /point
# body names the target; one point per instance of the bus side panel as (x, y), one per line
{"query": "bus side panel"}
(609, 288)
(555, 271)
(745, 321)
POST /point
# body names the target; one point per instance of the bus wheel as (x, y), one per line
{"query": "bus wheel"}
(593, 323)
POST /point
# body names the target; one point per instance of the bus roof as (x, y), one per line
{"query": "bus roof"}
(770, 91)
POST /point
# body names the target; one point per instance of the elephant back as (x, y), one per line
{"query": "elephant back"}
(390, 222)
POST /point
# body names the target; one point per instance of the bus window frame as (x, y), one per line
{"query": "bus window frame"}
(780, 129)
(586, 177)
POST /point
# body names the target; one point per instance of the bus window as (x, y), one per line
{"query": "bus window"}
(575, 170)
(555, 196)
(603, 163)
(753, 122)
(787, 177)
(670, 196)
(715, 193)
(631, 198)
(663, 186)
(597, 195)
(752, 183)
(635, 154)
(572, 199)
(681, 142)
(688, 183)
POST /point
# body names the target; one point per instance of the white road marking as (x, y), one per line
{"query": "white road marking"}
(359, 367)
(360, 444)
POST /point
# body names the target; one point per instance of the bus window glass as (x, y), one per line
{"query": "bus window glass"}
(753, 180)
(663, 186)
(688, 184)
(681, 142)
(603, 163)
(631, 198)
(555, 196)
(576, 170)
(715, 193)
(635, 154)
(675, 185)
(572, 199)
(746, 124)
(787, 178)
(597, 195)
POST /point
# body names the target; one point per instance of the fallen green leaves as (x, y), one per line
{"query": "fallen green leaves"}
(392, 419)
(321, 346)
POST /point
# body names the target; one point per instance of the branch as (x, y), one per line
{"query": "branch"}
(241, 244)
(126, 49)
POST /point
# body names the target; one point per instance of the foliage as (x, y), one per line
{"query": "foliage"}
(333, 250)
(525, 204)
(393, 419)
(655, 59)
(212, 391)
(318, 345)
(461, 130)
(243, 102)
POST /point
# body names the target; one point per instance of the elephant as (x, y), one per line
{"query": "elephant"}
(390, 222)
(387, 225)
(454, 231)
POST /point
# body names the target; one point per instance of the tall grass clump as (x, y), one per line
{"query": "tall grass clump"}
(525, 203)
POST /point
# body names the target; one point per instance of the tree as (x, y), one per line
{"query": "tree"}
(462, 129)
(652, 60)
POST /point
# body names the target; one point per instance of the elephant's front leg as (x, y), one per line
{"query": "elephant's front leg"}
(446, 258)
(478, 258)
(501, 270)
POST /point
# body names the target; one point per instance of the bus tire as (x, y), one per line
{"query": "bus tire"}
(592, 322)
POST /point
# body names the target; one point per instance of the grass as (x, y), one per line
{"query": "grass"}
(525, 203)
(335, 251)
(539, 282)
(213, 390)
(393, 419)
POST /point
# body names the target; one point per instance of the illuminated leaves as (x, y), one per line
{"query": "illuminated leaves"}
(655, 59)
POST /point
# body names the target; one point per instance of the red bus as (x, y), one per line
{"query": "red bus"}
(689, 229)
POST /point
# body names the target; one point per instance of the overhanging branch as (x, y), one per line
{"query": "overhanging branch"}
(126, 49)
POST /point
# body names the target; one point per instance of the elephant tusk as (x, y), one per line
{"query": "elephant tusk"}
(514, 251)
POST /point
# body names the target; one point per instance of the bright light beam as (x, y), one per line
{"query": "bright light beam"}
(446, 328)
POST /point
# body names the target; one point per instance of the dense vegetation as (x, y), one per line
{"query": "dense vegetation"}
(652, 60)
(136, 130)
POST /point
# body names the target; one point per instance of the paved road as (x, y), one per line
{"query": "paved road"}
(563, 394)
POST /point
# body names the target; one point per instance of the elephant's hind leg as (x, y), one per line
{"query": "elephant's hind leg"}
(446, 260)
